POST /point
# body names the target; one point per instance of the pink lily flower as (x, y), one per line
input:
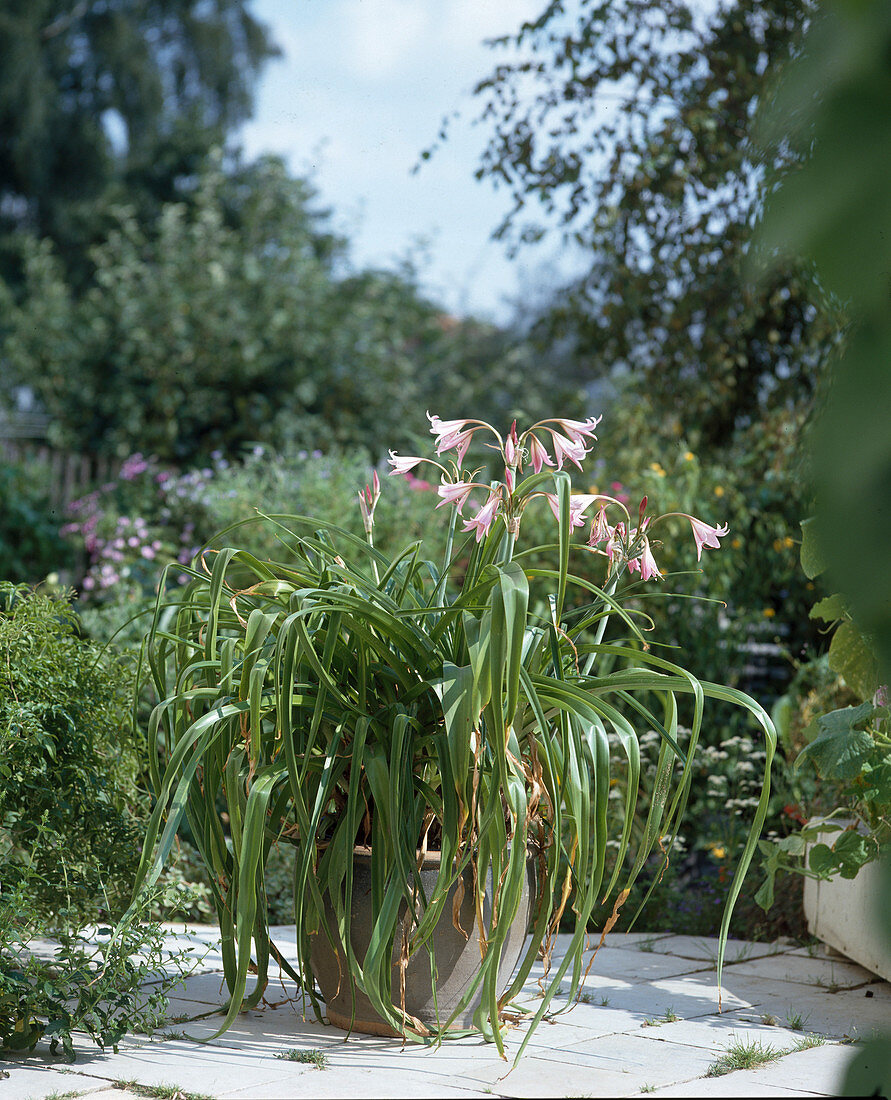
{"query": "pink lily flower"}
(511, 450)
(600, 529)
(704, 535)
(484, 518)
(445, 427)
(645, 564)
(579, 430)
(538, 455)
(452, 434)
(648, 566)
(455, 492)
(567, 448)
(578, 504)
(616, 543)
(460, 441)
(402, 465)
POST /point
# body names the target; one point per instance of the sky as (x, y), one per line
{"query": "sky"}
(361, 90)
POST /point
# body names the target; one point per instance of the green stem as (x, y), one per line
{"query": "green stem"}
(510, 542)
(439, 593)
(369, 538)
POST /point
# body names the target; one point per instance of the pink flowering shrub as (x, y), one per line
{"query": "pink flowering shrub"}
(127, 531)
(151, 516)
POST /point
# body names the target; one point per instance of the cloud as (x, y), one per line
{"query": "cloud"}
(465, 23)
(361, 90)
(382, 37)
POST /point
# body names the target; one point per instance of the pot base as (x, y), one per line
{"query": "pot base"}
(457, 959)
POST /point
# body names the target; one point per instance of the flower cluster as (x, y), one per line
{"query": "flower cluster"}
(566, 440)
(121, 545)
(550, 443)
(114, 545)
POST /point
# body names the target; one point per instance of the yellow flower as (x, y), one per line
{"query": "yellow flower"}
(788, 542)
(809, 586)
(719, 490)
(689, 456)
(657, 469)
(778, 544)
(736, 544)
(769, 613)
(718, 851)
(593, 490)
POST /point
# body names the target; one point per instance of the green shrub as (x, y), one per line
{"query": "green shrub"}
(87, 981)
(30, 543)
(70, 806)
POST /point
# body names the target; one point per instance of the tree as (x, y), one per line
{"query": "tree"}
(228, 320)
(98, 93)
(628, 123)
(836, 209)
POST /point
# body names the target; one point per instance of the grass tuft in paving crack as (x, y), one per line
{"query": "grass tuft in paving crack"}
(807, 1042)
(307, 1057)
(668, 1017)
(741, 1054)
(159, 1092)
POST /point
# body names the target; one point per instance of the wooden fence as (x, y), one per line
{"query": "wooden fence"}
(65, 476)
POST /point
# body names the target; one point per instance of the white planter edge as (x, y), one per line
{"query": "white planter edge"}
(843, 913)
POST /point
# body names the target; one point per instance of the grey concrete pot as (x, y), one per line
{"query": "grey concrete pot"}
(457, 959)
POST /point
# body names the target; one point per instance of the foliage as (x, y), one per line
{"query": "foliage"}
(629, 128)
(629, 125)
(179, 328)
(30, 543)
(70, 813)
(832, 108)
(683, 888)
(150, 516)
(343, 696)
(98, 97)
(850, 749)
(758, 487)
(92, 985)
(226, 323)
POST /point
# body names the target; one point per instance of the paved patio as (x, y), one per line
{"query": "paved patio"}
(648, 1023)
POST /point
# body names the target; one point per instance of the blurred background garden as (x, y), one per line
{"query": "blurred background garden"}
(189, 335)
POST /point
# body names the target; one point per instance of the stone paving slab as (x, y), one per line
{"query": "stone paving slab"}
(825, 973)
(847, 1014)
(740, 1083)
(826, 1064)
(706, 949)
(649, 1020)
(31, 1082)
(642, 1058)
(634, 965)
(715, 1033)
(112, 1094)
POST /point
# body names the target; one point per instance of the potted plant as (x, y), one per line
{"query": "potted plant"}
(439, 731)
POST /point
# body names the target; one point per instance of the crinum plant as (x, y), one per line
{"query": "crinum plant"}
(343, 698)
